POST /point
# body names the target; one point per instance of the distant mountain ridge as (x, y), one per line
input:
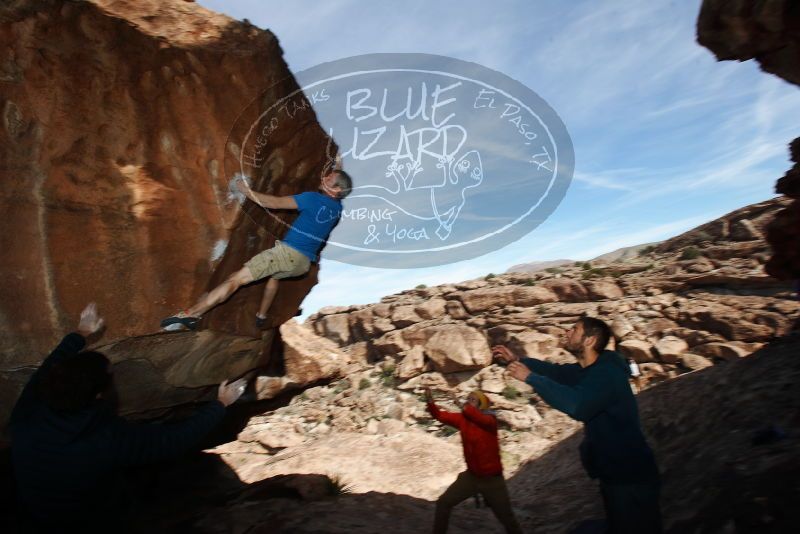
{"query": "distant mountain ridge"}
(623, 253)
(536, 266)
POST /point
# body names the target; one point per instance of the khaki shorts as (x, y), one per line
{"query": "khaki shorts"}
(280, 261)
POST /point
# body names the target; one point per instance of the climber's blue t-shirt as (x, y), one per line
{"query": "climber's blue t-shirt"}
(318, 215)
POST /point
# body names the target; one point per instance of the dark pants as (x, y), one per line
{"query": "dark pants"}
(632, 508)
(494, 492)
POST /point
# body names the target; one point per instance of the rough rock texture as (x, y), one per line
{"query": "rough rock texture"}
(115, 158)
(457, 348)
(154, 373)
(307, 358)
(686, 295)
(768, 31)
(116, 148)
(366, 462)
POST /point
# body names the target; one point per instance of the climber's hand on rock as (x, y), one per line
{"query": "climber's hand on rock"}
(230, 393)
(518, 371)
(90, 322)
(503, 355)
(243, 188)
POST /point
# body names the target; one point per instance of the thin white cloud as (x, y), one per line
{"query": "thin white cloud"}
(617, 179)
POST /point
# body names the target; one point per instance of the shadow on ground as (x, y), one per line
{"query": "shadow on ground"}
(727, 440)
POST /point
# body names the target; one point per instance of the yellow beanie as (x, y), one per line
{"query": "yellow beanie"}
(483, 400)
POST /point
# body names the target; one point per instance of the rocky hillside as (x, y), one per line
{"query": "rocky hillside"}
(698, 298)
(620, 254)
(535, 266)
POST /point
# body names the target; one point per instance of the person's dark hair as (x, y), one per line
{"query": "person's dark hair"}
(73, 384)
(595, 327)
(344, 181)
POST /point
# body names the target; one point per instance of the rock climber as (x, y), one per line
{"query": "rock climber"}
(319, 211)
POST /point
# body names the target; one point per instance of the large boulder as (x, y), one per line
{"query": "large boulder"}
(411, 364)
(640, 351)
(158, 372)
(307, 358)
(335, 327)
(567, 289)
(526, 296)
(116, 149)
(403, 316)
(603, 290)
(120, 196)
(722, 351)
(670, 348)
(621, 327)
(532, 344)
(483, 299)
(724, 320)
(454, 348)
(372, 463)
(367, 323)
(431, 309)
(741, 30)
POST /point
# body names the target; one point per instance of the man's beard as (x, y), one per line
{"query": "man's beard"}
(576, 350)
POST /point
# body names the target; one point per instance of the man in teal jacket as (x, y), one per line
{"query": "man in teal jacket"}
(596, 391)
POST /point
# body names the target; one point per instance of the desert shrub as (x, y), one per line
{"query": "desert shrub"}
(364, 383)
(336, 486)
(421, 286)
(387, 376)
(554, 270)
(447, 431)
(529, 282)
(586, 265)
(389, 381)
(341, 385)
(510, 392)
(592, 272)
(489, 276)
(646, 250)
(690, 253)
(388, 370)
(701, 236)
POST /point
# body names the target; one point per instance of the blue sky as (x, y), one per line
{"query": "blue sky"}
(665, 137)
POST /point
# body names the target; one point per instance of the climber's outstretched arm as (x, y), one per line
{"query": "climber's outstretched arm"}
(267, 201)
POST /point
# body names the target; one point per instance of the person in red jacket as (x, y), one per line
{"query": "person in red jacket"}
(484, 472)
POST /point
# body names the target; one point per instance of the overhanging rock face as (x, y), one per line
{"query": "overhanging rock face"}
(770, 33)
(115, 155)
(157, 372)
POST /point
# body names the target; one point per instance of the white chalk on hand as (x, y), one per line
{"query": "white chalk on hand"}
(233, 191)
